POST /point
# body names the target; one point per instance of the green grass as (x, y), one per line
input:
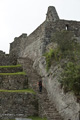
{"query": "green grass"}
(10, 66)
(17, 73)
(37, 118)
(18, 91)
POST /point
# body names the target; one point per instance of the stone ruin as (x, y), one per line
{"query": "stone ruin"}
(28, 51)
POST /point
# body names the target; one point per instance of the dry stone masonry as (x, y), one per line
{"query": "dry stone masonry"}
(29, 51)
(15, 104)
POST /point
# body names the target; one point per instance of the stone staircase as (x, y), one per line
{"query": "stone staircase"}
(46, 107)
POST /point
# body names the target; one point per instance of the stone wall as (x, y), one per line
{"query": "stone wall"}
(14, 105)
(35, 46)
(18, 46)
(13, 82)
(52, 27)
(52, 14)
(4, 59)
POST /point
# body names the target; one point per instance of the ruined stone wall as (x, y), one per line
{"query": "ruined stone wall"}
(13, 105)
(52, 27)
(16, 47)
(19, 45)
(4, 59)
(34, 48)
(35, 44)
(52, 14)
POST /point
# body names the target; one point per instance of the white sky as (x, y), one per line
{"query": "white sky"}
(24, 16)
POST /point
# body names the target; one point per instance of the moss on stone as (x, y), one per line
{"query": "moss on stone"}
(17, 73)
(18, 91)
(10, 66)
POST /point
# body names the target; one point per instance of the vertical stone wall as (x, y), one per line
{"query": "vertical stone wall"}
(14, 105)
(4, 59)
(17, 46)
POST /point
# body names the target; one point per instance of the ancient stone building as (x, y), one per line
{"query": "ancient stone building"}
(34, 46)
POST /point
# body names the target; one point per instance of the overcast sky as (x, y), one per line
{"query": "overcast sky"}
(24, 16)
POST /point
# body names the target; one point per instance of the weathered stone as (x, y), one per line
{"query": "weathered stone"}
(17, 105)
(10, 69)
(22, 119)
(52, 14)
(34, 46)
(13, 82)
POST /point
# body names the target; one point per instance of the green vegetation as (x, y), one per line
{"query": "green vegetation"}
(51, 56)
(68, 49)
(17, 73)
(10, 66)
(37, 118)
(18, 91)
(70, 78)
(64, 39)
(67, 44)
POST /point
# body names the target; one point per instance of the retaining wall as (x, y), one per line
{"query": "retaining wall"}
(13, 105)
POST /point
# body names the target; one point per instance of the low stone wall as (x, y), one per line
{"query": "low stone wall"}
(13, 82)
(17, 105)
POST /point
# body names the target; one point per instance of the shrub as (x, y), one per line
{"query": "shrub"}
(64, 39)
(52, 55)
(67, 43)
(70, 77)
(49, 55)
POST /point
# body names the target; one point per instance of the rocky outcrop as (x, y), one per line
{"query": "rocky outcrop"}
(66, 104)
